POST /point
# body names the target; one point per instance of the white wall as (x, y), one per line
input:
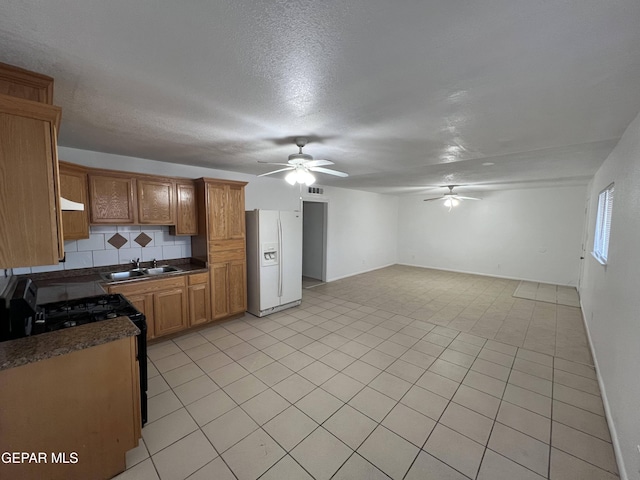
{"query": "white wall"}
(531, 234)
(361, 226)
(362, 232)
(610, 300)
(313, 239)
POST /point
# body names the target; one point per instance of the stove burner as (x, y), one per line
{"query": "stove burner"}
(72, 313)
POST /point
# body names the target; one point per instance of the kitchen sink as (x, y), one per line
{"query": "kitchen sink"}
(122, 275)
(159, 270)
(143, 272)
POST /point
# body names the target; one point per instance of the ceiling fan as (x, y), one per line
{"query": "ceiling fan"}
(301, 165)
(450, 198)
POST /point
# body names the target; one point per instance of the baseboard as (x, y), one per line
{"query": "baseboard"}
(468, 272)
(605, 402)
(360, 273)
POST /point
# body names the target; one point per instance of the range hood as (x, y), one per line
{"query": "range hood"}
(68, 205)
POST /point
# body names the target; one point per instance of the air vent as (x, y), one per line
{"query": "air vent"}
(316, 190)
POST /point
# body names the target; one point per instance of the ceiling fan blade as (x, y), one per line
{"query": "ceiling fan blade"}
(328, 171)
(277, 171)
(273, 163)
(466, 198)
(318, 163)
(432, 199)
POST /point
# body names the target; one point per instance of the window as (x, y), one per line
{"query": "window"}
(603, 225)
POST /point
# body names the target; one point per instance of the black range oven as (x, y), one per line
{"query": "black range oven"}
(21, 317)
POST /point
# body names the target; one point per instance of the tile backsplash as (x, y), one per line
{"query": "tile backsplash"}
(98, 250)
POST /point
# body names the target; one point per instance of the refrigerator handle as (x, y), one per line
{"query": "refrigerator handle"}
(280, 259)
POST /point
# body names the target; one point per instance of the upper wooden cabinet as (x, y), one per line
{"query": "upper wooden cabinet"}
(21, 83)
(155, 201)
(73, 186)
(186, 209)
(111, 198)
(225, 206)
(31, 232)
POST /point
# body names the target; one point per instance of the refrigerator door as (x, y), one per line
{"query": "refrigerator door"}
(268, 244)
(290, 256)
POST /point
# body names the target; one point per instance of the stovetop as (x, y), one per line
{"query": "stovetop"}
(71, 313)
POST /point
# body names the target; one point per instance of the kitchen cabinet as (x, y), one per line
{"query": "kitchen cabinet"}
(164, 302)
(228, 280)
(111, 197)
(144, 304)
(121, 198)
(73, 186)
(30, 190)
(169, 311)
(221, 243)
(24, 84)
(199, 293)
(155, 198)
(186, 209)
(87, 402)
(225, 211)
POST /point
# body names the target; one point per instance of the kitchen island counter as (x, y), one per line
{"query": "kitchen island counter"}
(22, 351)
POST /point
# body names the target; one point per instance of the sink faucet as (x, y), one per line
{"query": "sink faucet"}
(136, 263)
(155, 263)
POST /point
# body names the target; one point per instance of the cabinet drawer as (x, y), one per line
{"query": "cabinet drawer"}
(227, 245)
(149, 286)
(198, 278)
(225, 255)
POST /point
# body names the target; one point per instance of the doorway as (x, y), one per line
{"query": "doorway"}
(314, 243)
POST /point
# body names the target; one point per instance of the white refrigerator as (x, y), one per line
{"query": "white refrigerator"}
(274, 261)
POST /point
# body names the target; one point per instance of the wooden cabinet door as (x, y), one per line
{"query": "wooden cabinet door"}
(73, 186)
(144, 304)
(155, 201)
(220, 290)
(169, 311)
(217, 211)
(199, 304)
(237, 286)
(235, 212)
(29, 205)
(186, 209)
(112, 199)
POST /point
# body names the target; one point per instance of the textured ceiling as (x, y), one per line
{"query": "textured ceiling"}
(401, 95)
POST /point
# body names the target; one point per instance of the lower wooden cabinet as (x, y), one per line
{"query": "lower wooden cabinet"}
(170, 304)
(199, 299)
(169, 311)
(162, 301)
(228, 281)
(144, 304)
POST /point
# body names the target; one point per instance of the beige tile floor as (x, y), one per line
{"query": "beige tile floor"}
(401, 373)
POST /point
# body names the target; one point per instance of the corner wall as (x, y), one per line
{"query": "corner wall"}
(529, 234)
(610, 300)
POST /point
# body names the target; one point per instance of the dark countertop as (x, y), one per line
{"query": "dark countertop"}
(69, 285)
(89, 283)
(23, 351)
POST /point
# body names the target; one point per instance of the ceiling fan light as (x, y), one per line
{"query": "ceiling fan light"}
(291, 177)
(310, 179)
(451, 202)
